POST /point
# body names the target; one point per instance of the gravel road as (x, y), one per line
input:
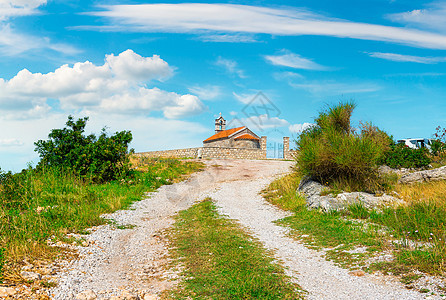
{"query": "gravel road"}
(132, 259)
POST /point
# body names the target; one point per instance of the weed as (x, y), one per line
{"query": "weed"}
(221, 261)
(48, 284)
(410, 278)
(127, 226)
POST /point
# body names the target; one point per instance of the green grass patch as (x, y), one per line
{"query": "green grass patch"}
(36, 205)
(221, 261)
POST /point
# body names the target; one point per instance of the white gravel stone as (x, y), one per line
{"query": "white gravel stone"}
(86, 295)
(7, 291)
(30, 276)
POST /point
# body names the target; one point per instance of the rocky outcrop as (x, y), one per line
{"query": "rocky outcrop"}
(426, 175)
(312, 191)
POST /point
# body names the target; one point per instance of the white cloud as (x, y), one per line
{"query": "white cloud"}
(207, 92)
(12, 8)
(292, 60)
(13, 42)
(299, 128)
(432, 17)
(118, 86)
(287, 75)
(230, 66)
(228, 38)
(244, 98)
(260, 122)
(407, 58)
(204, 18)
(10, 142)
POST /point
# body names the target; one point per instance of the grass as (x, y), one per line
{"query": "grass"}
(220, 260)
(40, 205)
(415, 233)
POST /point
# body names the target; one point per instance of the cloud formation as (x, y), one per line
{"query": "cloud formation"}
(200, 18)
(407, 58)
(432, 17)
(10, 142)
(13, 8)
(259, 122)
(13, 42)
(118, 86)
(207, 92)
(293, 60)
(230, 66)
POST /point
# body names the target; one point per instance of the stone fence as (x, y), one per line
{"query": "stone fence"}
(222, 152)
(208, 152)
(177, 153)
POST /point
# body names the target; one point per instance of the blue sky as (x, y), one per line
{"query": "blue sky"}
(165, 70)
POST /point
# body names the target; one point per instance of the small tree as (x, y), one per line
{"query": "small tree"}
(102, 158)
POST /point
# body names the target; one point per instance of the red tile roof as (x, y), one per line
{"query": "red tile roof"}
(223, 134)
(246, 136)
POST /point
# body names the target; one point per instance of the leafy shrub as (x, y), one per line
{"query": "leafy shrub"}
(331, 152)
(400, 156)
(102, 158)
(438, 148)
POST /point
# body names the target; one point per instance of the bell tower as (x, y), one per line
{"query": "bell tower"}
(220, 124)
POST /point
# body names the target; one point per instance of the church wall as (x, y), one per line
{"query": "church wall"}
(249, 144)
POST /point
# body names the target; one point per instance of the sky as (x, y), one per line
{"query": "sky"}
(166, 70)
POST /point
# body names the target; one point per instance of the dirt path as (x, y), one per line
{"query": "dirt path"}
(132, 259)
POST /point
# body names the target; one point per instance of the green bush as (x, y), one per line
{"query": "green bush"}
(438, 147)
(400, 156)
(332, 153)
(102, 158)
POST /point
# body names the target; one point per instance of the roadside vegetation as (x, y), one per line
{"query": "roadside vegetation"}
(414, 234)
(333, 153)
(219, 260)
(78, 179)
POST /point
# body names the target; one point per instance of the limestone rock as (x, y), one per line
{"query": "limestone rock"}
(30, 276)
(6, 291)
(149, 297)
(86, 295)
(426, 175)
(126, 295)
(357, 273)
(312, 191)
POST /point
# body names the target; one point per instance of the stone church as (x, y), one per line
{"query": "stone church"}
(240, 137)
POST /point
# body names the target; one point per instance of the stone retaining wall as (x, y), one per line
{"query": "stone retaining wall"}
(209, 152)
(177, 153)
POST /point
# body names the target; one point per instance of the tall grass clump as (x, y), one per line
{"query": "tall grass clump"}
(2, 262)
(333, 153)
